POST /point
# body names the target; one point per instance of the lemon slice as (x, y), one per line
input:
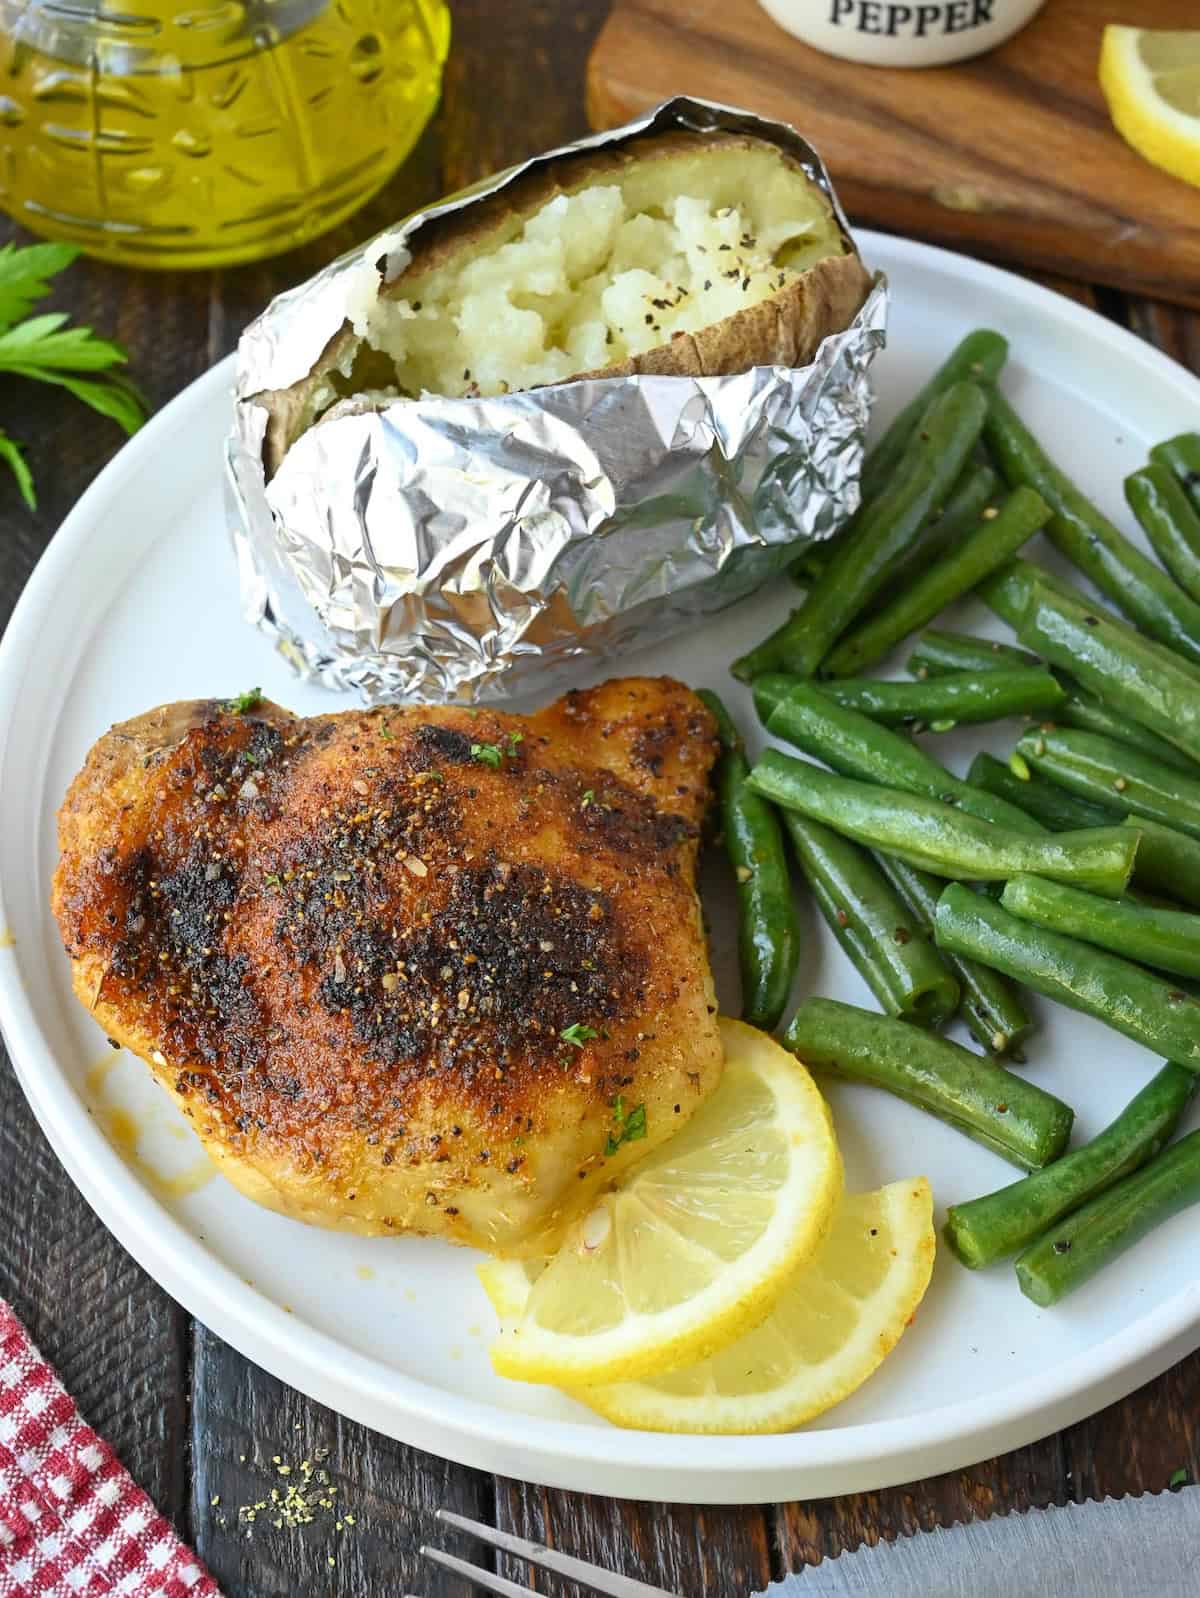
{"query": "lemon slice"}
(695, 1246)
(1151, 80)
(833, 1325)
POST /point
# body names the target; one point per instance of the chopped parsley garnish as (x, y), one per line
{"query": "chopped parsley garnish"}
(589, 798)
(1179, 1478)
(627, 1128)
(249, 758)
(578, 1034)
(272, 879)
(493, 755)
(242, 703)
(384, 730)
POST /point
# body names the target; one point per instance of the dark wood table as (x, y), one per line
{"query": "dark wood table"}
(195, 1422)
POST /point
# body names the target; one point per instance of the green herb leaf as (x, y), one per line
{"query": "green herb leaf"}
(589, 798)
(10, 452)
(44, 343)
(578, 1034)
(114, 397)
(629, 1128)
(272, 879)
(46, 349)
(241, 703)
(384, 730)
(514, 738)
(487, 754)
(1179, 1478)
(25, 276)
(612, 1144)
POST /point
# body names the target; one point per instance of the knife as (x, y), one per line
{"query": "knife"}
(1120, 1548)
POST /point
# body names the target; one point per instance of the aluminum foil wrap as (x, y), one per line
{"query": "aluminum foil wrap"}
(471, 549)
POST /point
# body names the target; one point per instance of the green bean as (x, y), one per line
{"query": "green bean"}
(1083, 710)
(1124, 996)
(1009, 590)
(902, 969)
(1019, 1121)
(991, 1006)
(992, 541)
(801, 714)
(1165, 939)
(940, 653)
(1167, 862)
(1131, 674)
(945, 529)
(883, 529)
(1055, 809)
(1158, 499)
(1108, 772)
(1077, 709)
(768, 930)
(968, 696)
(979, 357)
(987, 1229)
(1092, 1237)
(1182, 455)
(939, 838)
(809, 565)
(1090, 541)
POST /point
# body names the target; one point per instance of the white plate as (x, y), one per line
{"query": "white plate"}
(134, 603)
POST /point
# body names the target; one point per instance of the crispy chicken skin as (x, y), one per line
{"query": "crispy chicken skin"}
(398, 966)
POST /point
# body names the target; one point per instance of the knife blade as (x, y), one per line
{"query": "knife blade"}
(1118, 1548)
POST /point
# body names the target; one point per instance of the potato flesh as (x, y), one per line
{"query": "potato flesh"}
(605, 273)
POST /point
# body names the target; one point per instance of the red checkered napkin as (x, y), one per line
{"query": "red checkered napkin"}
(73, 1523)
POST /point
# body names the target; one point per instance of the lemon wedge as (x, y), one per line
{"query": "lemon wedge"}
(1151, 80)
(833, 1325)
(695, 1246)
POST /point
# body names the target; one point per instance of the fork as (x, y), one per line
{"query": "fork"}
(578, 1570)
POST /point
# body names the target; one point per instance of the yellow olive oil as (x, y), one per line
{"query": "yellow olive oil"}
(163, 133)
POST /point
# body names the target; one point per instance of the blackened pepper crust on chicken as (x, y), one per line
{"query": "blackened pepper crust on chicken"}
(406, 970)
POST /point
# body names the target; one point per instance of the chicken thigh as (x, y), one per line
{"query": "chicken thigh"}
(415, 969)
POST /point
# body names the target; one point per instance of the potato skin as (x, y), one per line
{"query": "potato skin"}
(783, 330)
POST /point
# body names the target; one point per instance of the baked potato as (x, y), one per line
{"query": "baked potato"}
(676, 254)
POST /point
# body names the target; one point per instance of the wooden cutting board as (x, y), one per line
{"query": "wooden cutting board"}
(1010, 155)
